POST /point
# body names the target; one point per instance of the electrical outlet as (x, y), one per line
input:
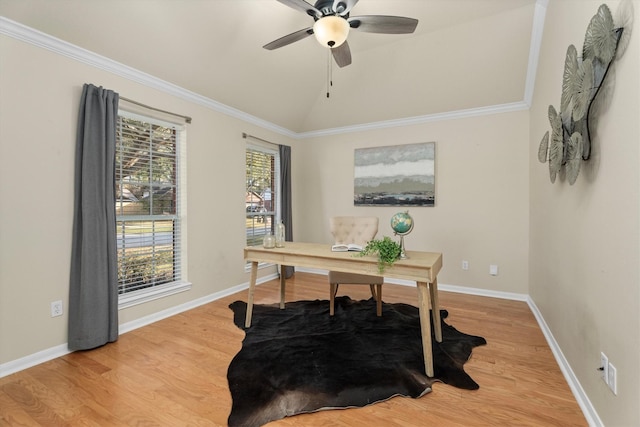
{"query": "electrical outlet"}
(604, 368)
(465, 265)
(612, 378)
(56, 308)
(493, 270)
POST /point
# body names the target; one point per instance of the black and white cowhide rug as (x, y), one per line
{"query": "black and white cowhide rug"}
(300, 359)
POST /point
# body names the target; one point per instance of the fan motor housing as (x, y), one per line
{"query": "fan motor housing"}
(326, 7)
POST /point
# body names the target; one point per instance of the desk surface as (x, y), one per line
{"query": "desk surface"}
(419, 267)
(422, 267)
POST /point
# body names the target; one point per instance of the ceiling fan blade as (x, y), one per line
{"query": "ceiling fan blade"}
(383, 24)
(289, 38)
(343, 7)
(302, 6)
(342, 55)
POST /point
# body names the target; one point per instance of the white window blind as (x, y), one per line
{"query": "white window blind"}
(148, 204)
(262, 197)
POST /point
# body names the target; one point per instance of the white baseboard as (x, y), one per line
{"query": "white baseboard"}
(441, 286)
(576, 388)
(581, 397)
(33, 359)
(62, 349)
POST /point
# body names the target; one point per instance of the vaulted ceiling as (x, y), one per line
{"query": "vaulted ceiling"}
(464, 54)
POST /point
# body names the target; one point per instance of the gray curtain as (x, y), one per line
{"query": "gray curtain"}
(93, 287)
(285, 193)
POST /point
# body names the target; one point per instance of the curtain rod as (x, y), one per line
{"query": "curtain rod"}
(186, 118)
(246, 135)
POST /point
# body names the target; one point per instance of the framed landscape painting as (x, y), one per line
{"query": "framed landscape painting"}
(398, 175)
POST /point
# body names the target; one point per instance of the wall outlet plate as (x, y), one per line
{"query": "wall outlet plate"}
(604, 368)
(56, 308)
(612, 378)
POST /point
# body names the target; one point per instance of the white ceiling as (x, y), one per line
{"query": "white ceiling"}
(464, 54)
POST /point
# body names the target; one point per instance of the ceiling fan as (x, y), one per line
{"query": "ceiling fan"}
(332, 25)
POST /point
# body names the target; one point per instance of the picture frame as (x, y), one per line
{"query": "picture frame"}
(396, 175)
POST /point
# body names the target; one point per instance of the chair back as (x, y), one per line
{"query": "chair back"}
(353, 229)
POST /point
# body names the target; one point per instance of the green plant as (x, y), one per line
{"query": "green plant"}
(387, 250)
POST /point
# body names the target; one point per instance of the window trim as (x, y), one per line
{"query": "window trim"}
(142, 296)
(150, 294)
(272, 149)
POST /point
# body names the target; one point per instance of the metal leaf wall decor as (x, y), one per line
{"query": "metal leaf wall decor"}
(570, 142)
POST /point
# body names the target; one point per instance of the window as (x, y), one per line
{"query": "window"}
(262, 198)
(148, 208)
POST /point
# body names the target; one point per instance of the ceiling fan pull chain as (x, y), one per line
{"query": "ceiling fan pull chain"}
(329, 77)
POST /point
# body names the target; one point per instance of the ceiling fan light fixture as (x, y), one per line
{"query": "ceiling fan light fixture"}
(331, 31)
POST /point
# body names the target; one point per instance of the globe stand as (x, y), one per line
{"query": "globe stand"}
(403, 254)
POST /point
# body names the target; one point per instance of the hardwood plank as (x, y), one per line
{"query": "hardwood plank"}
(12, 415)
(173, 372)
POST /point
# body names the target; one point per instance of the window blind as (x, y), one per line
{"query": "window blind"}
(147, 203)
(262, 198)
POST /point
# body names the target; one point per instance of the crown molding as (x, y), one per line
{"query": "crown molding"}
(534, 48)
(438, 117)
(37, 38)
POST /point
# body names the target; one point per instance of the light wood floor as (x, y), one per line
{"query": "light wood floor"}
(173, 372)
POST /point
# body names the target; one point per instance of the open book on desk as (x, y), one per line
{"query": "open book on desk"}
(343, 247)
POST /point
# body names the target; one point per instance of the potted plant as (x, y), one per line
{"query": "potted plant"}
(387, 250)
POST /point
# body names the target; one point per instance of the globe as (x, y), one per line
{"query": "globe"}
(402, 223)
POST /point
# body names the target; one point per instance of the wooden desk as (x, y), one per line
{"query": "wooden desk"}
(421, 267)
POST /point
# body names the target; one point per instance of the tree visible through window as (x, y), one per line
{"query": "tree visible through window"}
(261, 194)
(147, 208)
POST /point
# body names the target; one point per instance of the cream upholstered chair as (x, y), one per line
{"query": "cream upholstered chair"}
(358, 230)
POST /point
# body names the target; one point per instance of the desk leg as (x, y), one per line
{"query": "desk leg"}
(435, 310)
(282, 286)
(252, 288)
(425, 326)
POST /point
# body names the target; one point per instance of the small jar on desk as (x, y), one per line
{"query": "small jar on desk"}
(269, 241)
